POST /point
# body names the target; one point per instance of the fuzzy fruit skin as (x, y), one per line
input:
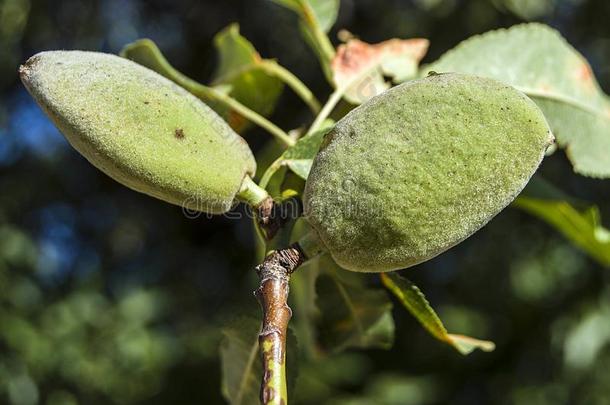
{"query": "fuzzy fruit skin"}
(140, 128)
(419, 168)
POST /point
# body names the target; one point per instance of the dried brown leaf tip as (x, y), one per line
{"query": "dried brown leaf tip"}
(362, 66)
(355, 55)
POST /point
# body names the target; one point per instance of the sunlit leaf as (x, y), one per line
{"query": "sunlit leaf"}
(299, 157)
(242, 69)
(316, 17)
(582, 226)
(416, 303)
(538, 61)
(324, 12)
(362, 67)
(352, 314)
(241, 363)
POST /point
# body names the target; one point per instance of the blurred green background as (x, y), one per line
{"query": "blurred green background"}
(110, 297)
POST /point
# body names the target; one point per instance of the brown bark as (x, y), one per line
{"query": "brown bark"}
(274, 274)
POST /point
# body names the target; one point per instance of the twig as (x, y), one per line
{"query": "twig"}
(319, 39)
(272, 293)
(334, 98)
(295, 84)
(273, 167)
(251, 116)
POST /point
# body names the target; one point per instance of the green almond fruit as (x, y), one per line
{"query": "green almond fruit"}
(414, 171)
(140, 128)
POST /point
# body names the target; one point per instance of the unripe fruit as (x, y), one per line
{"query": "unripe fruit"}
(416, 170)
(140, 128)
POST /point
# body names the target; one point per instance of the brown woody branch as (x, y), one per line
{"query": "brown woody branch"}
(272, 293)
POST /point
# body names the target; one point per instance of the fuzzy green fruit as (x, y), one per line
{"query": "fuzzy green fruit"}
(140, 128)
(416, 170)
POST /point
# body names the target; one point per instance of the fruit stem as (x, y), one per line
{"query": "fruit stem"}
(311, 245)
(334, 98)
(252, 116)
(272, 294)
(277, 70)
(273, 167)
(251, 193)
(267, 213)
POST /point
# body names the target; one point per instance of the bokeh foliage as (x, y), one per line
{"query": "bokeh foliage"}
(107, 296)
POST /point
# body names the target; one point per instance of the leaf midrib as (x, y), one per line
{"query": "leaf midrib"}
(563, 99)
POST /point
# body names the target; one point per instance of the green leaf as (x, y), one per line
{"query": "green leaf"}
(538, 61)
(241, 363)
(352, 314)
(581, 226)
(362, 67)
(299, 157)
(323, 13)
(243, 71)
(316, 17)
(326, 12)
(416, 303)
